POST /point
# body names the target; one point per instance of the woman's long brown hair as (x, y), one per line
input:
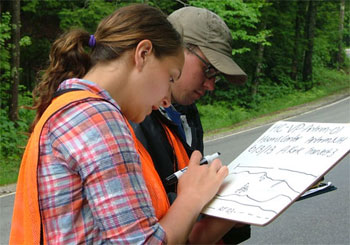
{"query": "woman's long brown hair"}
(116, 34)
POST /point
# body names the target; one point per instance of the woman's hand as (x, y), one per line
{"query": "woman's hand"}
(201, 182)
(196, 187)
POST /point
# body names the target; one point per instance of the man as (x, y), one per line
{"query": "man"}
(171, 134)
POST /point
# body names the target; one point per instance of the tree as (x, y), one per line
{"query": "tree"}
(309, 35)
(5, 61)
(340, 58)
(261, 43)
(15, 61)
(297, 39)
(259, 66)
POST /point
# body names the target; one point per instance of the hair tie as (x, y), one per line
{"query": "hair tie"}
(92, 41)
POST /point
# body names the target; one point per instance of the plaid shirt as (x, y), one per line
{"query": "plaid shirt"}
(91, 188)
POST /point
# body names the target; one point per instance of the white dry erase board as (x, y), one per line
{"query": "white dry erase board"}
(277, 169)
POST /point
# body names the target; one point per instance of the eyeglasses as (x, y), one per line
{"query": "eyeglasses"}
(210, 70)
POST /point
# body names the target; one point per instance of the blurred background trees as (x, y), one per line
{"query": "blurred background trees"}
(283, 46)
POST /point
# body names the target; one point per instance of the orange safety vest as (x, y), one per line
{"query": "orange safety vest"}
(26, 225)
(175, 142)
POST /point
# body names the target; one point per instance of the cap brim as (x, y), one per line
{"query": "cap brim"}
(225, 65)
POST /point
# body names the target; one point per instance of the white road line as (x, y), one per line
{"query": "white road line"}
(9, 194)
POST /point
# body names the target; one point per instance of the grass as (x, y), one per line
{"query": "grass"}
(9, 172)
(13, 138)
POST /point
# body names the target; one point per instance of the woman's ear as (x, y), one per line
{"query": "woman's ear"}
(142, 53)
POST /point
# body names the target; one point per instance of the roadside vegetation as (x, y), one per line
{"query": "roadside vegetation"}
(225, 115)
(218, 116)
(292, 51)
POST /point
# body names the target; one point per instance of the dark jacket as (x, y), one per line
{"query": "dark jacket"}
(153, 137)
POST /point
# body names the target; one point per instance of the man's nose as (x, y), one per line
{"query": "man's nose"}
(166, 101)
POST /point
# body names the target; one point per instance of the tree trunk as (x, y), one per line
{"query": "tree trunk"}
(309, 35)
(340, 58)
(15, 62)
(259, 64)
(296, 48)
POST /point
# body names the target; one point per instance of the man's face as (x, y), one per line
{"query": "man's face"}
(193, 83)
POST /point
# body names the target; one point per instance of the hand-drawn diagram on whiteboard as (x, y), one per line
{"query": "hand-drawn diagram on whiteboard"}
(277, 169)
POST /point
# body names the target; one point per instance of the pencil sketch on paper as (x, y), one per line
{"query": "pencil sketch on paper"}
(278, 168)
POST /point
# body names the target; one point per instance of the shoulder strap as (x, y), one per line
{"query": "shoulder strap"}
(180, 152)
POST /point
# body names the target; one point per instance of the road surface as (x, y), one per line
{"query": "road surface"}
(323, 219)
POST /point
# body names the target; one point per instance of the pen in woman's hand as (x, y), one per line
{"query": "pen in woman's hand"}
(172, 179)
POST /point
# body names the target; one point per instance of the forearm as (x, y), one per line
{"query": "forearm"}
(179, 220)
(210, 230)
(196, 188)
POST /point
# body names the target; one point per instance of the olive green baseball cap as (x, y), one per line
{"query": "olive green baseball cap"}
(209, 32)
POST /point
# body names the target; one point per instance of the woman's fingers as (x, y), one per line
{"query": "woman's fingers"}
(195, 158)
(202, 182)
(221, 170)
(216, 166)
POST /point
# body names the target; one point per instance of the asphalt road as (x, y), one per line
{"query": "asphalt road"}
(323, 219)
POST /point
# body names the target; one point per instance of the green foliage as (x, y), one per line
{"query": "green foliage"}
(13, 138)
(346, 32)
(242, 19)
(92, 12)
(5, 56)
(13, 134)
(50, 7)
(271, 99)
(87, 17)
(253, 24)
(167, 6)
(5, 35)
(332, 80)
(327, 35)
(25, 41)
(220, 114)
(280, 17)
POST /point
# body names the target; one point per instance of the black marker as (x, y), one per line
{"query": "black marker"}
(172, 179)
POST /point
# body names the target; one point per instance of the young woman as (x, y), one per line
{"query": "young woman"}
(81, 178)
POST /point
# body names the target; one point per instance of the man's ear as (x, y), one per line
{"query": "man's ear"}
(142, 53)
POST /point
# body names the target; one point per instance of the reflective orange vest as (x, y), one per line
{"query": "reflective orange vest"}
(26, 225)
(175, 142)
